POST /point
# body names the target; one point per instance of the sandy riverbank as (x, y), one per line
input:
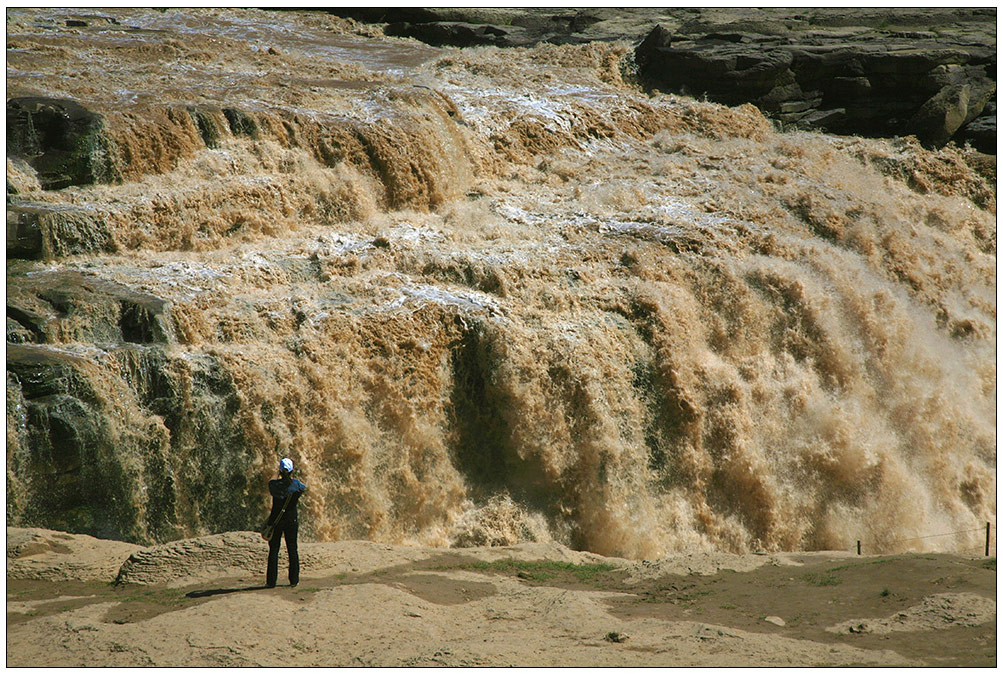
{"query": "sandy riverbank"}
(200, 602)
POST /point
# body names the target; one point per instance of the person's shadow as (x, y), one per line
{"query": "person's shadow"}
(198, 594)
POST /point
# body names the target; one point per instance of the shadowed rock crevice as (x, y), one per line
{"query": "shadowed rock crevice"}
(141, 320)
(482, 438)
(207, 125)
(487, 448)
(241, 124)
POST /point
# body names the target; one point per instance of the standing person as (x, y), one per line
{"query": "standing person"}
(282, 490)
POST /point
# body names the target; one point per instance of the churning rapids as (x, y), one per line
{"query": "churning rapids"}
(482, 296)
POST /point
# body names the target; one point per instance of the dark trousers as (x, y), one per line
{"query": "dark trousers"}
(289, 530)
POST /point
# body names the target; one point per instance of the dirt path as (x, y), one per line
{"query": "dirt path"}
(201, 603)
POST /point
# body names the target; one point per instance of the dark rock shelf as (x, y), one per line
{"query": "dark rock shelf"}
(928, 72)
(898, 86)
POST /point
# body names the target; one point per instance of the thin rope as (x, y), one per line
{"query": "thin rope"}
(918, 538)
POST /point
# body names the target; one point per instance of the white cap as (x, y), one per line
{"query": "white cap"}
(286, 466)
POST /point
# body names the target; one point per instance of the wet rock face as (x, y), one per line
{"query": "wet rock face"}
(73, 481)
(24, 236)
(867, 84)
(71, 306)
(38, 230)
(61, 139)
(115, 443)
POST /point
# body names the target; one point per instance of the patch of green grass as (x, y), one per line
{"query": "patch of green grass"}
(544, 570)
(989, 564)
(728, 606)
(693, 596)
(844, 567)
(163, 596)
(821, 579)
(885, 592)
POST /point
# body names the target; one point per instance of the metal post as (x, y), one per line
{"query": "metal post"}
(858, 547)
(987, 539)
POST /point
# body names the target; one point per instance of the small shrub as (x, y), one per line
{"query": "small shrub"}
(821, 579)
(544, 570)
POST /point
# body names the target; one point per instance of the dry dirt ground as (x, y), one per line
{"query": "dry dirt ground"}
(75, 600)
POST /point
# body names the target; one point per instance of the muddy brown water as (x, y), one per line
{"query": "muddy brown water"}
(485, 297)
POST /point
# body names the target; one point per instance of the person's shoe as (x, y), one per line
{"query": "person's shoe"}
(269, 584)
(293, 584)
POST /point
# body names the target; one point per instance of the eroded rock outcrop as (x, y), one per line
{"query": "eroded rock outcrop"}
(69, 306)
(40, 230)
(62, 140)
(895, 83)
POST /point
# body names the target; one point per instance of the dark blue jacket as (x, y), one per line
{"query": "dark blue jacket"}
(279, 492)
